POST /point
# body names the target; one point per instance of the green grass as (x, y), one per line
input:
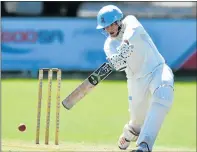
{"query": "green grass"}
(96, 119)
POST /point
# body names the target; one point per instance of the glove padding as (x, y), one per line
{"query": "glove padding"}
(125, 49)
(117, 62)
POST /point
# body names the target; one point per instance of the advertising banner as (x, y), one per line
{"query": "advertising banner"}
(74, 43)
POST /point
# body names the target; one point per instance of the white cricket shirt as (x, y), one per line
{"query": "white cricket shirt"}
(145, 56)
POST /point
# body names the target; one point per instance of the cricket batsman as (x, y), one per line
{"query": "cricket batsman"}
(150, 81)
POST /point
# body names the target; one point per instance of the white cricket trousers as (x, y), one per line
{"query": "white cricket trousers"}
(141, 90)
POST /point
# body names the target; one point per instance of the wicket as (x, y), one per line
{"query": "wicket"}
(50, 78)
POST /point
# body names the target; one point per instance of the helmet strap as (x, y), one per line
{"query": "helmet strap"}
(119, 26)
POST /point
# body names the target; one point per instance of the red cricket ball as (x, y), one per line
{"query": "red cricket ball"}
(22, 127)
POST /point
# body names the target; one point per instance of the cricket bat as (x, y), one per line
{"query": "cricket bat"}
(87, 85)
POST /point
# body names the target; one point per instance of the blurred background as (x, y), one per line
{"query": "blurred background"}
(63, 35)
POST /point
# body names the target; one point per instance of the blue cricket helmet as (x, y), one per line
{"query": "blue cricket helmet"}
(108, 15)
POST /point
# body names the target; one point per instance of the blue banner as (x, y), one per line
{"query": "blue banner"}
(75, 44)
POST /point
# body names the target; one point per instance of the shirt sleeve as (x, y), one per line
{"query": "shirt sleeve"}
(133, 27)
(108, 49)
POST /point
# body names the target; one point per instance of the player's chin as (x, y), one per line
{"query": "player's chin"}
(114, 34)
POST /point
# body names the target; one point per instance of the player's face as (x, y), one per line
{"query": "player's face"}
(112, 30)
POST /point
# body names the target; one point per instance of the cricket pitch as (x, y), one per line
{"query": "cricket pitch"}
(17, 146)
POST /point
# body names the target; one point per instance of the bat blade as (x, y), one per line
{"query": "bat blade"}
(87, 85)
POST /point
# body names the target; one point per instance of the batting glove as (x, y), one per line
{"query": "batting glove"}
(125, 49)
(117, 62)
